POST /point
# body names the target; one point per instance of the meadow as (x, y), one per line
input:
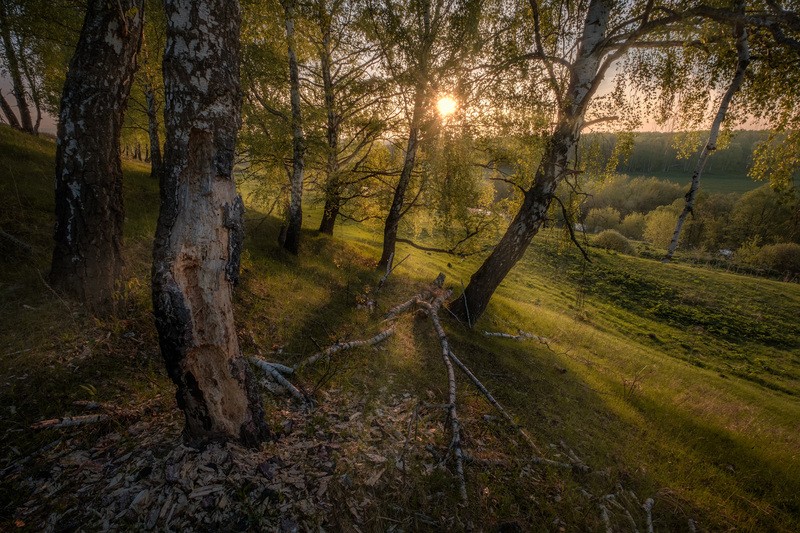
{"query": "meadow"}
(669, 381)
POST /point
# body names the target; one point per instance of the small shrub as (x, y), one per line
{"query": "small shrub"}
(782, 257)
(659, 226)
(602, 218)
(632, 226)
(613, 240)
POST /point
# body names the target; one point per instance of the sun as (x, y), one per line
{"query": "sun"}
(446, 105)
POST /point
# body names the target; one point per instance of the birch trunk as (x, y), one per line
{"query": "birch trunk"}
(87, 258)
(14, 71)
(333, 200)
(396, 210)
(291, 239)
(743, 60)
(200, 226)
(472, 303)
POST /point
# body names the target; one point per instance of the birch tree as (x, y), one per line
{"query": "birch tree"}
(352, 96)
(200, 226)
(420, 42)
(743, 60)
(87, 258)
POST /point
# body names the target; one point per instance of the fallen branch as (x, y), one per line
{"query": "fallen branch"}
(341, 346)
(27, 248)
(455, 426)
(648, 509)
(69, 421)
(521, 336)
(273, 372)
(389, 270)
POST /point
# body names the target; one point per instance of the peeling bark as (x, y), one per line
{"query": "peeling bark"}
(529, 219)
(743, 60)
(199, 232)
(291, 239)
(87, 258)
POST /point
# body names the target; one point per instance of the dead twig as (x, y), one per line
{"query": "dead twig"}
(341, 346)
(69, 421)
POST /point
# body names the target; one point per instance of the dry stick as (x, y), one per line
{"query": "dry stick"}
(606, 519)
(648, 509)
(402, 308)
(69, 421)
(389, 270)
(283, 369)
(341, 346)
(522, 336)
(455, 426)
(278, 377)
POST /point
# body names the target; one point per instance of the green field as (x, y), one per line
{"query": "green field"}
(671, 382)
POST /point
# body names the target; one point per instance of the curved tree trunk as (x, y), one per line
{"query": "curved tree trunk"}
(200, 226)
(291, 239)
(583, 83)
(743, 53)
(12, 64)
(87, 258)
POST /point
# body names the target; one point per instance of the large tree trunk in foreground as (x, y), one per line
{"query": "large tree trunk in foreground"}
(87, 258)
(294, 222)
(743, 53)
(583, 83)
(200, 227)
(13, 67)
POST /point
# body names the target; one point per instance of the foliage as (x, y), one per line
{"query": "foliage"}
(632, 226)
(600, 218)
(659, 226)
(612, 240)
(782, 257)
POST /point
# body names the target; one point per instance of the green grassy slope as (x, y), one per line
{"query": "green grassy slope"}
(672, 381)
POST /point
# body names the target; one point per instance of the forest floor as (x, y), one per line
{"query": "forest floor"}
(670, 383)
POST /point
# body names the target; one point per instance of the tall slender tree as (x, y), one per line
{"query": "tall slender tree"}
(294, 222)
(200, 226)
(742, 62)
(87, 258)
(420, 41)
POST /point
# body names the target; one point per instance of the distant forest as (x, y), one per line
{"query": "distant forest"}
(660, 154)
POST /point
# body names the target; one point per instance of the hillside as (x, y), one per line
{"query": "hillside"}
(669, 382)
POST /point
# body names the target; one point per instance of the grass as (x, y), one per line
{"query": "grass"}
(674, 381)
